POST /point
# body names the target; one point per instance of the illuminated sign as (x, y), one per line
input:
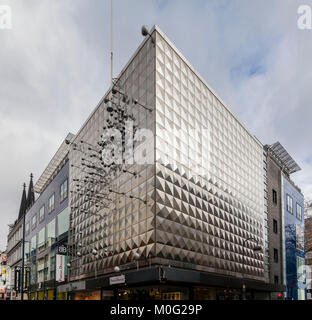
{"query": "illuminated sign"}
(117, 280)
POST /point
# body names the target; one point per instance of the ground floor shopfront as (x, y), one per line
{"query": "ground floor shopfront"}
(165, 283)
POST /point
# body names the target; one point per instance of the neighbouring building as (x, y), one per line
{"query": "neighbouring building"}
(4, 277)
(286, 224)
(46, 230)
(182, 220)
(275, 225)
(15, 243)
(308, 248)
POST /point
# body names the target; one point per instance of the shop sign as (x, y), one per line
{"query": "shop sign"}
(60, 268)
(117, 279)
(62, 249)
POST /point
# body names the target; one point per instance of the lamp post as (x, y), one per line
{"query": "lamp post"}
(256, 248)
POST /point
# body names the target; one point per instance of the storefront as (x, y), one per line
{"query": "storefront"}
(153, 293)
(87, 295)
(62, 296)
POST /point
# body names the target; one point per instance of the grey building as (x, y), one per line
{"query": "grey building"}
(15, 243)
(46, 228)
(286, 225)
(274, 201)
(179, 217)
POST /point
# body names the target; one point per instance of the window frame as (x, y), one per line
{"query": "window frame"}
(42, 219)
(275, 226)
(298, 205)
(292, 204)
(274, 196)
(49, 207)
(275, 255)
(62, 197)
(33, 225)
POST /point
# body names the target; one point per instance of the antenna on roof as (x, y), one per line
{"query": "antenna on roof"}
(111, 38)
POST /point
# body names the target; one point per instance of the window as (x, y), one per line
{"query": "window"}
(274, 226)
(275, 255)
(41, 214)
(33, 245)
(289, 204)
(301, 294)
(299, 238)
(300, 269)
(274, 196)
(33, 222)
(63, 190)
(27, 229)
(299, 212)
(62, 223)
(51, 233)
(275, 279)
(26, 252)
(51, 204)
(41, 240)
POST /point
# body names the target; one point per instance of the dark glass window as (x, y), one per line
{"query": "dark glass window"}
(275, 255)
(274, 226)
(275, 279)
(64, 190)
(274, 196)
(289, 204)
(51, 203)
(299, 212)
(41, 214)
(33, 222)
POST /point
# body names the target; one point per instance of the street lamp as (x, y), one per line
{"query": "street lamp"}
(256, 248)
(136, 257)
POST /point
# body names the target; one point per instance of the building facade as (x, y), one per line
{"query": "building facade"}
(274, 200)
(179, 216)
(4, 277)
(286, 236)
(308, 248)
(294, 241)
(15, 247)
(46, 230)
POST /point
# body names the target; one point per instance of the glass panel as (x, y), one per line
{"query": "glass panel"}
(62, 223)
(41, 240)
(33, 245)
(51, 233)
(41, 214)
(63, 191)
(51, 203)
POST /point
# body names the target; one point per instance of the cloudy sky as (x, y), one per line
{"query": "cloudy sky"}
(54, 69)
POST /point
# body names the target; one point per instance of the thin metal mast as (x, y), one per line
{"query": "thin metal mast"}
(111, 36)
